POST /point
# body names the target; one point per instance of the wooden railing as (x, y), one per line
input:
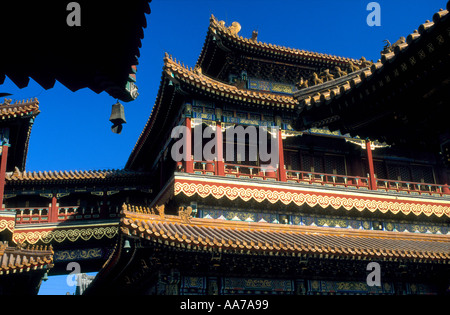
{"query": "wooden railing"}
(28, 215)
(411, 187)
(248, 171)
(355, 182)
(31, 215)
(204, 167)
(327, 179)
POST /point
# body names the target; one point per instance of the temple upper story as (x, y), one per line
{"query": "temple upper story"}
(229, 57)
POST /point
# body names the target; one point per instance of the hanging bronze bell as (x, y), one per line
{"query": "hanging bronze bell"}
(117, 117)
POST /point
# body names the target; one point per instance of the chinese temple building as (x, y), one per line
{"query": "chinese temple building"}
(327, 193)
(343, 193)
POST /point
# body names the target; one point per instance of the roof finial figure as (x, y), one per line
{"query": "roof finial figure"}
(315, 79)
(388, 48)
(365, 63)
(198, 70)
(301, 84)
(185, 214)
(254, 36)
(338, 72)
(326, 75)
(234, 28)
(160, 210)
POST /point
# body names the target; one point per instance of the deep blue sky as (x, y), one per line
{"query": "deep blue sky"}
(73, 132)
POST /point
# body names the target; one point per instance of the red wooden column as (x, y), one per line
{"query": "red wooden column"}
(188, 162)
(3, 174)
(220, 165)
(54, 209)
(281, 167)
(443, 179)
(372, 179)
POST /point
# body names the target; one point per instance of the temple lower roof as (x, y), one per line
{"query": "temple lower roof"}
(19, 108)
(27, 176)
(263, 238)
(20, 259)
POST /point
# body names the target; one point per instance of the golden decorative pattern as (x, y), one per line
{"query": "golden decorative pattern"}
(60, 235)
(7, 225)
(310, 198)
(79, 254)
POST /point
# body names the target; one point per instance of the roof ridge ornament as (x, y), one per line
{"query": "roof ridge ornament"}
(388, 47)
(185, 214)
(235, 28)
(254, 36)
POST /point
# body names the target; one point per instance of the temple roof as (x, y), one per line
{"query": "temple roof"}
(352, 81)
(264, 238)
(405, 92)
(228, 38)
(18, 118)
(51, 176)
(195, 78)
(19, 108)
(18, 259)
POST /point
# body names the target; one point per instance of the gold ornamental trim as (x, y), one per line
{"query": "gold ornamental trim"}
(287, 196)
(7, 225)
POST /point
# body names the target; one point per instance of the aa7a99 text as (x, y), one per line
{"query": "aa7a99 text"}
(229, 304)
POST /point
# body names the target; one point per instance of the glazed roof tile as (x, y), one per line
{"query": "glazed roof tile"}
(19, 108)
(219, 28)
(176, 71)
(195, 78)
(353, 82)
(264, 238)
(18, 176)
(24, 259)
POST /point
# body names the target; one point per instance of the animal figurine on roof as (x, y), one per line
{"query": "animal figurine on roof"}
(326, 75)
(338, 72)
(234, 28)
(315, 79)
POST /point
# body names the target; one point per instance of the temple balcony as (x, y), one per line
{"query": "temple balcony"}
(30, 215)
(345, 182)
(227, 182)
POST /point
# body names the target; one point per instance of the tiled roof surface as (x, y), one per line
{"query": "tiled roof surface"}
(201, 81)
(264, 238)
(21, 259)
(340, 89)
(219, 28)
(17, 175)
(19, 108)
